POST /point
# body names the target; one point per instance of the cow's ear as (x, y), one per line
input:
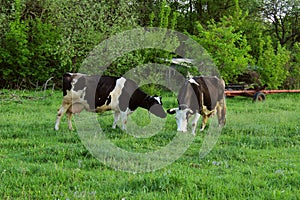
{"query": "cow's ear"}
(158, 99)
(193, 81)
(172, 111)
(157, 96)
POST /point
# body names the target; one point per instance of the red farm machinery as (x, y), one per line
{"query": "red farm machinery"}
(258, 94)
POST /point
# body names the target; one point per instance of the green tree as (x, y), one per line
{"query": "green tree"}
(15, 53)
(272, 64)
(85, 23)
(52, 37)
(28, 47)
(293, 79)
(281, 17)
(226, 44)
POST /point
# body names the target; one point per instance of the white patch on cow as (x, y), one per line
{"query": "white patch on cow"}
(193, 81)
(181, 120)
(195, 122)
(172, 110)
(76, 74)
(75, 77)
(158, 100)
(114, 94)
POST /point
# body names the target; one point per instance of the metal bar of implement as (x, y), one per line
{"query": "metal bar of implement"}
(252, 92)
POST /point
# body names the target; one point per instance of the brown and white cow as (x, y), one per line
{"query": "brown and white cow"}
(102, 93)
(202, 95)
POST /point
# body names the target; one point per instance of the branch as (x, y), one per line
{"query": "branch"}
(45, 87)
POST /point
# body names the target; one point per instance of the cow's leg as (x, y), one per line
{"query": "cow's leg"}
(116, 119)
(204, 121)
(63, 109)
(69, 115)
(221, 111)
(60, 113)
(194, 123)
(124, 119)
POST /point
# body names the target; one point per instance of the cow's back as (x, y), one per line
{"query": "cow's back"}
(212, 90)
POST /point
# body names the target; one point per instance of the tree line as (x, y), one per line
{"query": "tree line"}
(45, 38)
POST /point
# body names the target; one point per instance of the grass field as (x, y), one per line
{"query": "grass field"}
(257, 156)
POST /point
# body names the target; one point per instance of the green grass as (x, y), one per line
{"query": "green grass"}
(257, 156)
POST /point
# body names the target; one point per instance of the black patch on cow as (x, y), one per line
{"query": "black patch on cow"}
(67, 79)
(105, 86)
(133, 97)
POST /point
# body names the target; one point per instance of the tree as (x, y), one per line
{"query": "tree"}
(53, 37)
(293, 79)
(227, 45)
(272, 64)
(282, 19)
(28, 47)
(85, 23)
(202, 11)
(15, 53)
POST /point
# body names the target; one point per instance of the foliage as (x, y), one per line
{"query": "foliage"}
(293, 79)
(84, 24)
(282, 20)
(47, 38)
(15, 53)
(29, 54)
(272, 64)
(52, 37)
(134, 64)
(226, 44)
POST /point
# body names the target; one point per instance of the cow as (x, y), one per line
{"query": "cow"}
(101, 93)
(201, 95)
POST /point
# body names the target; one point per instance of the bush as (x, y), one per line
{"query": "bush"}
(293, 79)
(273, 64)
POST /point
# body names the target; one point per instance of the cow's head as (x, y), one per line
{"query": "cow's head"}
(181, 115)
(188, 104)
(155, 106)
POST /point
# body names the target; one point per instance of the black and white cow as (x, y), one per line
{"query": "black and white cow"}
(202, 95)
(102, 93)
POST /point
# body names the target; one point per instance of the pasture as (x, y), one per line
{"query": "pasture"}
(257, 156)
